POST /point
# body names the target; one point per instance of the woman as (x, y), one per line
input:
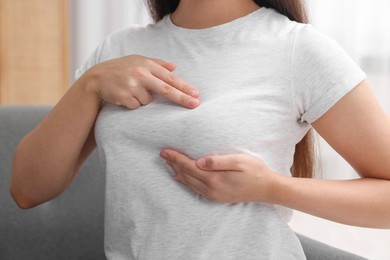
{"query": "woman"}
(264, 81)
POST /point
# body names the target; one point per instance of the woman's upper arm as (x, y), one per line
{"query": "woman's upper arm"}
(359, 130)
(88, 147)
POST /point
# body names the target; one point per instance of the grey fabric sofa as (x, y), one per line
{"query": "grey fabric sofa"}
(70, 226)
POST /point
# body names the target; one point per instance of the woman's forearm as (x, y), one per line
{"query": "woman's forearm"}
(235, 178)
(46, 159)
(362, 202)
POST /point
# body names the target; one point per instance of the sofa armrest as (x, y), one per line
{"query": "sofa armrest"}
(68, 227)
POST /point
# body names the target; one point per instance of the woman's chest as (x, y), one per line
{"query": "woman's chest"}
(236, 114)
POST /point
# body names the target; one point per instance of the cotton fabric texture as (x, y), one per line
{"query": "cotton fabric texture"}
(263, 80)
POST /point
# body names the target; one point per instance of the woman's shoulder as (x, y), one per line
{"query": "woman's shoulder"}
(278, 24)
(132, 33)
(125, 40)
(120, 43)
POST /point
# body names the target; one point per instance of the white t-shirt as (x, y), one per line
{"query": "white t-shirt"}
(263, 79)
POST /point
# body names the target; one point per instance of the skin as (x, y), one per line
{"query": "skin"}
(48, 158)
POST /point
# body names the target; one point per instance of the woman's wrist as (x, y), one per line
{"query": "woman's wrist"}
(278, 189)
(88, 84)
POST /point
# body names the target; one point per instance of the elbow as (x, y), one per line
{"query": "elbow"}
(21, 201)
(19, 195)
(30, 185)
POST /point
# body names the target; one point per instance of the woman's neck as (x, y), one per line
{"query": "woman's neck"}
(200, 14)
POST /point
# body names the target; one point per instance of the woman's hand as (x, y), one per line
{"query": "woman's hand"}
(227, 178)
(128, 81)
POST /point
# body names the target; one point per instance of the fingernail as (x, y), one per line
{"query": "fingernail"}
(164, 155)
(193, 102)
(194, 93)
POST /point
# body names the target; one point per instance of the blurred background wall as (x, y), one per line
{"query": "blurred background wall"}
(361, 27)
(34, 50)
(93, 20)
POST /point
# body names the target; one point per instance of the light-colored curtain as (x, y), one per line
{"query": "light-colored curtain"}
(361, 27)
(93, 20)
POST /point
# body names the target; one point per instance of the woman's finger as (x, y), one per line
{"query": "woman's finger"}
(184, 175)
(230, 162)
(187, 179)
(131, 103)
(168, 65)
(188, 165)
(143, 96)
(162, 88)
(174, 81)
(170, 78)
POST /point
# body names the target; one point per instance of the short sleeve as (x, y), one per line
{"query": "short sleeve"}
(92, 60)
(322, 73)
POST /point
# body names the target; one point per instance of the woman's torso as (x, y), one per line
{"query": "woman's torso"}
(243, 73)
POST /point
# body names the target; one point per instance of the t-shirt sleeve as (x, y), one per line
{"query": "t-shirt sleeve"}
(92, 60)
(322, 73)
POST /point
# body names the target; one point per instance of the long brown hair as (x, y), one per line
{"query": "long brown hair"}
(295, 10)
